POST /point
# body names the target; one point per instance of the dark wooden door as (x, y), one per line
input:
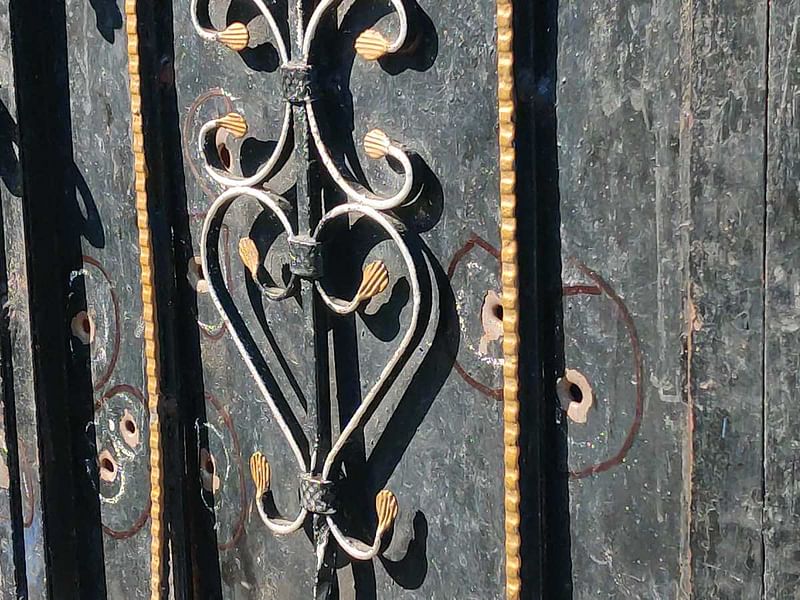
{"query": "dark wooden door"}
(262, 247)
(399, 299)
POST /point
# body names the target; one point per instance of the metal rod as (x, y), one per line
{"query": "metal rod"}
(315, 326)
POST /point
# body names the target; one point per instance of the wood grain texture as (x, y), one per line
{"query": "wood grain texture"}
(105, 128)
(20, 406)
(619, 92)
(722, 146)
(436, 439)
(782, 310)
(12, 580)
(661, 126)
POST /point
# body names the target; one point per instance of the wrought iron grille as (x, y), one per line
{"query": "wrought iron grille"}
(319, 468)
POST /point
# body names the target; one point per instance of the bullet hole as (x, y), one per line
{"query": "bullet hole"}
(491, 319)
(208, 471)
(194, 274)
(108, 467)
(576, 395)
(223, 152)
(129, 429)
(497, 311)
(82, 327)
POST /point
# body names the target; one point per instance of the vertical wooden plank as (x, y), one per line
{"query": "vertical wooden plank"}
(45, 417)
(108, 328)
(618, 99)
(661, 126)
(12, 580)
(782, 278)
(20, 464)
(25, 412)
(723, 125)
(436, 438)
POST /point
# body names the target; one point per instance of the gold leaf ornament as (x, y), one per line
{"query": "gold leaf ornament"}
(260, 471)
(248, 252)
(235, 36)
(387, 508)
(372, 45)
(377, 144)
(374, 281)
(233, 122)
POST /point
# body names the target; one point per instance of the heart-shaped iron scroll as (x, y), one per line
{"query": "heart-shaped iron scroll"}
(375, 280)
(318, 469)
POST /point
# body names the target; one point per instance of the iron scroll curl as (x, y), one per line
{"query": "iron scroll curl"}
(221, 297)
(371, 45)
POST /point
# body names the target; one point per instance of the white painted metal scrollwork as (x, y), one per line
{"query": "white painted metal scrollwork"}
(371, 45)
(318, 466)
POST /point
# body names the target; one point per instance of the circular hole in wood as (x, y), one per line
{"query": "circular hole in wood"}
(82, 327)
(491, 320)
(129, 429)
(223, 152)
(576, 395)
(208, 471)
(497, 311)
(108, 466)
(194, 272)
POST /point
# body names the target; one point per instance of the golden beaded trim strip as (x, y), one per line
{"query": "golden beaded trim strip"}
(510, 282)
(148, 300)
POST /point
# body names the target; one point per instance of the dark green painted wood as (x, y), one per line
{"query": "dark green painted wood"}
(674, 148)
(22, 522)
(441, 449)
(661, 109)
(724, 124)
(782, 276)
(618, 98)
(110, 276)
(56, 376)
(12, 580)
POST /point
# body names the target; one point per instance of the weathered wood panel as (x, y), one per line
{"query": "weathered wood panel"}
(723, 121)
(723, 124)
(619, 123)
(437, 444)
(106, 320)
(782, 278)
(23, 550)
(9, 468)
(661, 121)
